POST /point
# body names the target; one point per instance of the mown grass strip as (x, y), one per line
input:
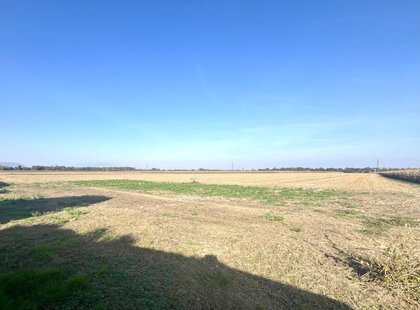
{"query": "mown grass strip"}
(262, 194)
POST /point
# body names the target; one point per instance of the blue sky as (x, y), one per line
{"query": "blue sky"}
(188, 84)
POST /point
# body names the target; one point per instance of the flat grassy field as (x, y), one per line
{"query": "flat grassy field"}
(135, 240)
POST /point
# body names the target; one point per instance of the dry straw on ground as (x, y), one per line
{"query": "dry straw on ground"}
(223, 252)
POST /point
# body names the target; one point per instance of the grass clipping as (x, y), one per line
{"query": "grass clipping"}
(398, 270)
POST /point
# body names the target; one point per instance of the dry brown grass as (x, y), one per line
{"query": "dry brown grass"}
(249, 238)
(398, 269)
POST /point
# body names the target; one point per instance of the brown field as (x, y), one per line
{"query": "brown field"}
(357, 247)
(359, 182)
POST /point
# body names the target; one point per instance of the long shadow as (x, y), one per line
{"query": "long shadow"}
(16, 209)
(116, 274)
(347, 259)
(3, 184)
(3, 190)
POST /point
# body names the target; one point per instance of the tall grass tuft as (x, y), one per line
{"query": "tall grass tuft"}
(398, 269)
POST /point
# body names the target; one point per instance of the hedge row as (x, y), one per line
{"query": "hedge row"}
(405, 175)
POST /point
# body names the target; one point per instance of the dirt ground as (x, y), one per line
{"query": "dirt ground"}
(306, 260)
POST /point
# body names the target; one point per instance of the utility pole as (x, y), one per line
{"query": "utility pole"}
(232, 165)
(147, 167)
(377, 165)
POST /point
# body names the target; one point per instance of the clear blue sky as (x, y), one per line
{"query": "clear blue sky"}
(188, 84)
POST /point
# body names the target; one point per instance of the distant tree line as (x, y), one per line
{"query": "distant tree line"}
(14, 168)
(65, 168)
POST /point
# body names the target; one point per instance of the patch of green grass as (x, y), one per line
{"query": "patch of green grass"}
(274, 217)
(348, 213)
(78, 282)
(262, 194)
(74, 212)
(23, 198)
(59, 220)
(38, 196)
(97, 232)
(351, 206)
(102, 269)
(9, 210)
(223, 280)
(38, 288)
(36, 213)
(297, 228)
(109, 238)
(75, 275)
(379, 225)
(375, 225)
(47, 250)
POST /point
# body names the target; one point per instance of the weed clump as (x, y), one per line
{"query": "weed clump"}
(274, 217)
(35, 213)
(398, 269)
(75, 212)
(296, 228)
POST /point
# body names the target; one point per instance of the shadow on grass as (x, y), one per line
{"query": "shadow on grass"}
(3, 184)
(16, 209)
(3, 190)
(44, 266)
